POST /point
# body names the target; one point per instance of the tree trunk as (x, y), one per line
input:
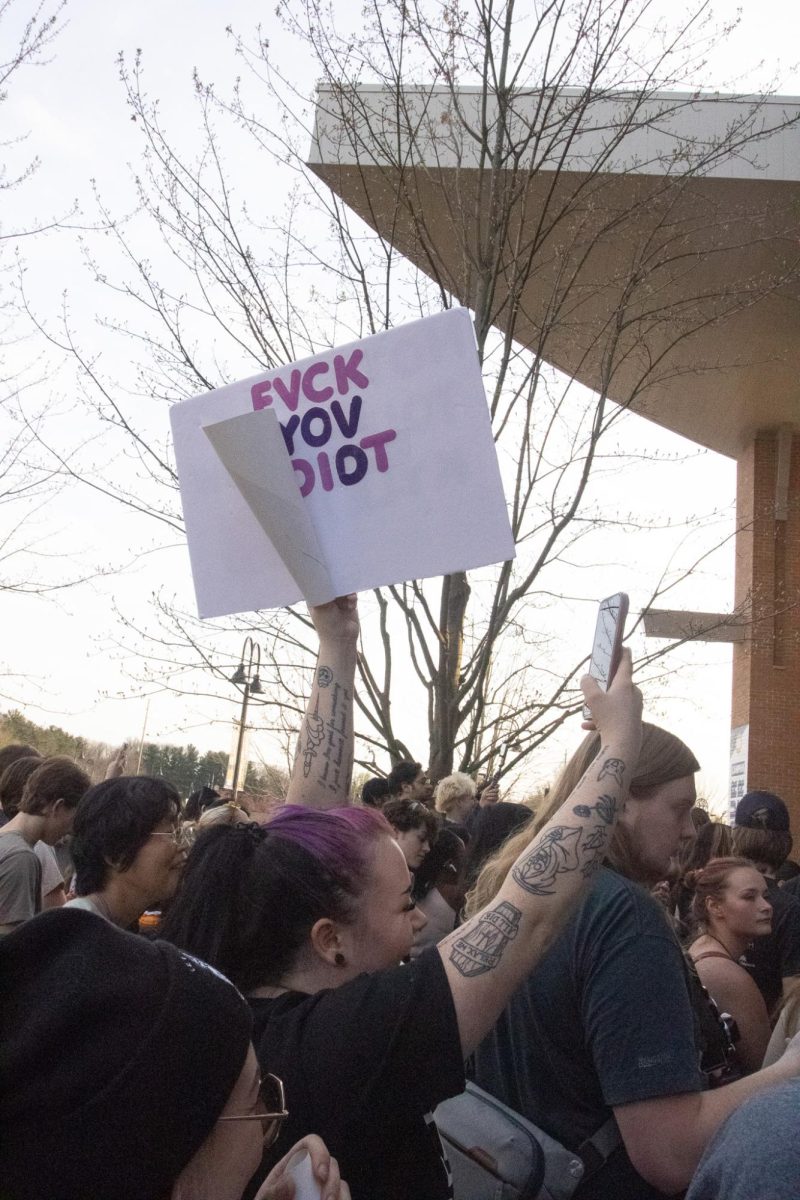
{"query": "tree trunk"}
(455, 595)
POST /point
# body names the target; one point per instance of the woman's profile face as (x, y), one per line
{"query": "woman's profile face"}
(659, 823)
(387, 918)
(156, 870)
(415, 845)
(744, 908)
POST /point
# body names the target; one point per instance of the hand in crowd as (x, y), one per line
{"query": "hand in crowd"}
(280, 1186)
(791, 1055)
(617, 710)
(490, 795)
(336, 621)
(117, 765)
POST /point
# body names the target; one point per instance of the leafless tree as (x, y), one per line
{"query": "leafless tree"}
(236, 292)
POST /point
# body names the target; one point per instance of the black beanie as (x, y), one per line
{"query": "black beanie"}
(117, 1056)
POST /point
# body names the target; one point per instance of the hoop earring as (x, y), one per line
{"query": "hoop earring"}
(338, 958)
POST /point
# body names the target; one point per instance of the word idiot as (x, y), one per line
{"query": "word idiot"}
(330, 420)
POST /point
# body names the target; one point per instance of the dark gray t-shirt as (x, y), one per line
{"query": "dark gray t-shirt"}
(604, 1020)
(20, 880)
(756, 1153)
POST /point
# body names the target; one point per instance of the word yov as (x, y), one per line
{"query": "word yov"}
(315, 428)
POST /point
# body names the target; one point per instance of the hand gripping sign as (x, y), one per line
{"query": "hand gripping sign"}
(370, 464)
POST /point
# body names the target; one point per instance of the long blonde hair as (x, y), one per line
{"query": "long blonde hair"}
(663, 758)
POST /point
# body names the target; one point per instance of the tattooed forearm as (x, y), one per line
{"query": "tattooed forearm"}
(314, 733)
(565, 848)
(335, 772)
(615, 767)
(555, 853)
(480, 947)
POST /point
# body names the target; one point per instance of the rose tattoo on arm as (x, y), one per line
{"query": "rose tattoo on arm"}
(555, 853)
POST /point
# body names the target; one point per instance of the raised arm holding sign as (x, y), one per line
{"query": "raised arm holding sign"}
(323, 765)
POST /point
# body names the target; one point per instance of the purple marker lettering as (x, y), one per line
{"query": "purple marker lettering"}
(325, 471)
(288, 432)
(290, 395)
(359, 470)
(378, 442)
(306, 428)
(307, 471)
(347, 426)
(316, 395)
(258, 394)
(347, 372)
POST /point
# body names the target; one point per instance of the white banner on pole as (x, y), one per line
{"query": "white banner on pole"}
(370, 464)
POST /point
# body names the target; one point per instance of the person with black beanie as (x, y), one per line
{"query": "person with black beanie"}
(127, 1073)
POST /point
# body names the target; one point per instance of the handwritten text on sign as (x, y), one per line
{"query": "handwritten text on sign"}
(317, 426)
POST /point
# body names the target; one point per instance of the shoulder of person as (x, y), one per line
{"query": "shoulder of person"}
(617, 905)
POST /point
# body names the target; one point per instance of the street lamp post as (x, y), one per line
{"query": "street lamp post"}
(247, 676)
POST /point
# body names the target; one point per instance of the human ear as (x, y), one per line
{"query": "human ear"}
(326, 940)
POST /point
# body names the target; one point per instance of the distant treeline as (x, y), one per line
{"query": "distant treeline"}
(183, 766)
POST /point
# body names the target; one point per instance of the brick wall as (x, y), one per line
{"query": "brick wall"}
(766, 668)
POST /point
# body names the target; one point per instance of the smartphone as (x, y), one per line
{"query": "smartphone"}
(608, 635)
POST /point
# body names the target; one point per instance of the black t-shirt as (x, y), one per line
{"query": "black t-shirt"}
(363, 1065)
(604, 1020)
(770, 958)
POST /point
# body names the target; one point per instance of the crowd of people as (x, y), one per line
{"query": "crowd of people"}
(617, 968)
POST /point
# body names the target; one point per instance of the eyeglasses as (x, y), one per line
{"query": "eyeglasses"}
(272, 1097)
(177, 836)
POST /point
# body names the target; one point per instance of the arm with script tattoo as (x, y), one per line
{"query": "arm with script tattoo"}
(489, 956)
(323, 764)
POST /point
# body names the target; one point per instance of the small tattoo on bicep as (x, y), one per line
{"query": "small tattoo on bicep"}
(614, 767)
(480, 947)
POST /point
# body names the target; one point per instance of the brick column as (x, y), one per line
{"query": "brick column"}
(766, 667)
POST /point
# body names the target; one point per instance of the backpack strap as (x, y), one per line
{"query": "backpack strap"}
(714, 954)
(598, 1148)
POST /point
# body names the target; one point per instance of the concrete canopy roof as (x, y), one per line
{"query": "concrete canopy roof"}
(660, 241)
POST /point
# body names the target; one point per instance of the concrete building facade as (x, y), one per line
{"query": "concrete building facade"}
(702, 264)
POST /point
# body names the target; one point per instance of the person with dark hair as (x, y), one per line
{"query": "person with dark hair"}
(375, 792)
(127, 1073)
(415, 826)
(46, 811)
(730, 909)
(8, 755)
(12, 785)
(439, 890)
(128, 847)
(311, 914)
(761, 833)
(606, 1026)
(408, 781)
(489, 827)
(790, 870)
(198, 802)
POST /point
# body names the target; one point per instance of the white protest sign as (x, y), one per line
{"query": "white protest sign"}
(370, 464)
